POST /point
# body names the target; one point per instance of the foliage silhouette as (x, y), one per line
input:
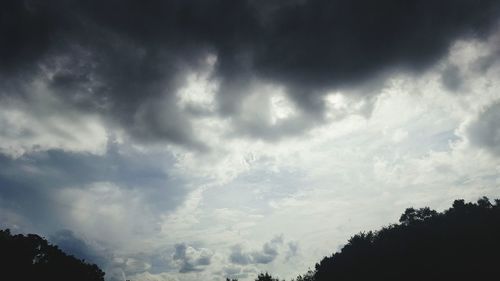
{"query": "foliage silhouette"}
(31, 258)
(266, 277)
(461, 243)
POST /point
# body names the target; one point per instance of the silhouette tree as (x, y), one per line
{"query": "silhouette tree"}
(411, 216)
(309, 276)
(266, 277)
(32, 258)
(461, 243)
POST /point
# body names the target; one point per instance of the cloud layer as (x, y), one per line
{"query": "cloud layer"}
(199, 140)
(127, 60)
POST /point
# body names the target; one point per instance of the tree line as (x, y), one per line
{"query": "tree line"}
(31, 257)
(460, 243)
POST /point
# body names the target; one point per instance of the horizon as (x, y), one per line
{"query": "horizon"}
(181, 140)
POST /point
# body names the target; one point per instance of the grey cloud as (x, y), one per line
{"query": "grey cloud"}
(93, 252)
(121, 58)
(263, 258)
(157, 120)
(21, 193)
(293, 249)
(484, 132)
(451, 78)
(484, 63)
(73, 245)
(237, 272)
(191, 259)
(31, 183)
(156, 261)
(180, 252)
(263, 129)
(268, 253)
(204, 260)
(237, 256)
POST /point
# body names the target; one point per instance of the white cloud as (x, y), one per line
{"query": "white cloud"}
(198, 94)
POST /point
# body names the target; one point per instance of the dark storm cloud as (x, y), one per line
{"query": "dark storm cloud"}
(484, 132)
(121, 58)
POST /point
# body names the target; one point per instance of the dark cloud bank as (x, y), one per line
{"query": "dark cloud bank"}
(118, 57)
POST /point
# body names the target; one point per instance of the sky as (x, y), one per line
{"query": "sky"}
(199, 140)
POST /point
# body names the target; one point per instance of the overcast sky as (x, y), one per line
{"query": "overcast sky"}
(199, 140)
